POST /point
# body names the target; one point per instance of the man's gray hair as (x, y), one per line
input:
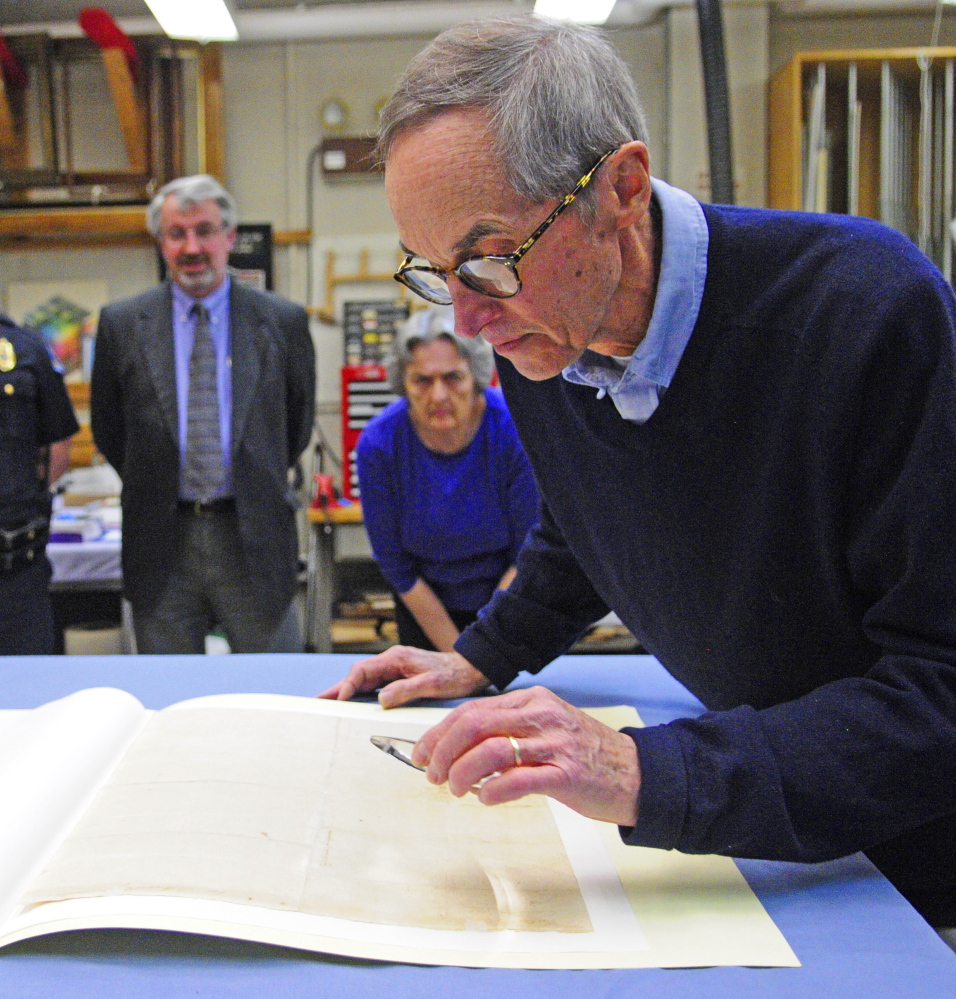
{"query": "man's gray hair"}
(190, 191)
(557, 96)
(437, 322)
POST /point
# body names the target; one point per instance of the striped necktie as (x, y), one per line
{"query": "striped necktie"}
(202, 466)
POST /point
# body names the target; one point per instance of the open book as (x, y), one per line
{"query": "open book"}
(274, 819)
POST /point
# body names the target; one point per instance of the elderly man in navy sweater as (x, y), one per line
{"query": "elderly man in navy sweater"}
(743, 426)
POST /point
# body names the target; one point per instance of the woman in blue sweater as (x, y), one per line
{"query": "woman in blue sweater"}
(447, 492)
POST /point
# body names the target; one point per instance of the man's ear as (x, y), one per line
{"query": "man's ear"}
(628, 174)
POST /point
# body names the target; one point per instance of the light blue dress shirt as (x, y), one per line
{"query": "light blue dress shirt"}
(636, 385)
(184, 331)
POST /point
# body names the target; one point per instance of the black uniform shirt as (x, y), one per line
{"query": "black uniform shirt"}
(35, 411)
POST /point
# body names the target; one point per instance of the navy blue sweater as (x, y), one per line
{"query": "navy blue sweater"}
(781, 535)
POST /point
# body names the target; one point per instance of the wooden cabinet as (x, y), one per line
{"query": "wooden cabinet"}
(868, 132)
(82, 449)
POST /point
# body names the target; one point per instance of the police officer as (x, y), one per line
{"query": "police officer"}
(36, 422)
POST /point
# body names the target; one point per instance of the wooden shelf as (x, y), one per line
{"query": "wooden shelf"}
(82, 448)
(108, 225)
(787, 114)
(48, 227)
(292, 237)
(876, 129)
(351, 514)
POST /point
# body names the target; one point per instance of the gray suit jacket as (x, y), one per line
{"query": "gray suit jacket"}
(135, 426)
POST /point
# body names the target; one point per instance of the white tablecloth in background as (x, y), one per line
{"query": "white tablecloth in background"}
(85, 561)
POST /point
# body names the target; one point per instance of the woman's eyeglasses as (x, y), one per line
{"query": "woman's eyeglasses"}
(496, 277)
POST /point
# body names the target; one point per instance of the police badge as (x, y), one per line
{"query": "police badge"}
(8, 358)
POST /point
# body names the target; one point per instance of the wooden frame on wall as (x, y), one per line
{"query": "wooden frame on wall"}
(125, 224)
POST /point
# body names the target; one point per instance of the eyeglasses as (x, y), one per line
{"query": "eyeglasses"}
(202, 232)
(420, 384)
(494, 276)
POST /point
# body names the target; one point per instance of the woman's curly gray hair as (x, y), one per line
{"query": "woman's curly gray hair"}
(438, 323)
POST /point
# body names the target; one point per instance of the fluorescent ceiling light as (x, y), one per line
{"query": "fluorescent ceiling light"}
(582, 11)
(203, 20)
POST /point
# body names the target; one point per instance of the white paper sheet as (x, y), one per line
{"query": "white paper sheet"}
(243, 816)
(52, 762)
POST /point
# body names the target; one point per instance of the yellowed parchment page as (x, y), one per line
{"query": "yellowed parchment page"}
(274, 818)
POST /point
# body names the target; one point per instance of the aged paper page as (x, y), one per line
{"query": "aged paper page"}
(52, 761)
(268, 808)
(275, 819)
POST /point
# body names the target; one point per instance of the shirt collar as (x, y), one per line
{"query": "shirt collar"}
(680, 288)
(183, 303)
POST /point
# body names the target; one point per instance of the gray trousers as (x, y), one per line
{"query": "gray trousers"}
(209, 587)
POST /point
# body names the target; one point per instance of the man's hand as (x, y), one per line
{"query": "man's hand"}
(564, 754)
(405, 674)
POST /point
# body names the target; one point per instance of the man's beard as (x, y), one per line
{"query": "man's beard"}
(199, 282)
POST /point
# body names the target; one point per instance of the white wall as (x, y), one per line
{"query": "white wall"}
(127, 271)
(645, 52)
(790, 34)
(273, 93)
(272, 97)
(746, 43)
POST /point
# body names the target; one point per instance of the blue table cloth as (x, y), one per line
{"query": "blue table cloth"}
(855, 935)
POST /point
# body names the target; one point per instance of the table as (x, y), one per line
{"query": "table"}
(326, 529)
(85, 571)
(857, 938)
(86, 565)
(95, 565)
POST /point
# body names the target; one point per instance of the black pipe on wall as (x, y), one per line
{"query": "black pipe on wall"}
(717, 100)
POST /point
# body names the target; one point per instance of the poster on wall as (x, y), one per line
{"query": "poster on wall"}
(251, 257)
(66, 313)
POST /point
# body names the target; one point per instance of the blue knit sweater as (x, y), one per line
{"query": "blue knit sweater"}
(454, 520)
(781, 534)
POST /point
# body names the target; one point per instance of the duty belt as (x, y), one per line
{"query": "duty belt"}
(196, 507)
(22, 545)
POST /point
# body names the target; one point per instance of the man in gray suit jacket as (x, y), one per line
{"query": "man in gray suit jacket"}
(202, 399)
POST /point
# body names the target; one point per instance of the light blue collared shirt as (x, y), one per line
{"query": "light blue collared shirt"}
(184, 332)
(635, 385)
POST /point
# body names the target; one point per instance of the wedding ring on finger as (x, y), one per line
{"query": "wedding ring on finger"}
(519, 759)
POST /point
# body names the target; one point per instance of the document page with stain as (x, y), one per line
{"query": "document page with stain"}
(274, 818)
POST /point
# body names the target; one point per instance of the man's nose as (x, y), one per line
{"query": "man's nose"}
(472, 310)
(192, 244)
